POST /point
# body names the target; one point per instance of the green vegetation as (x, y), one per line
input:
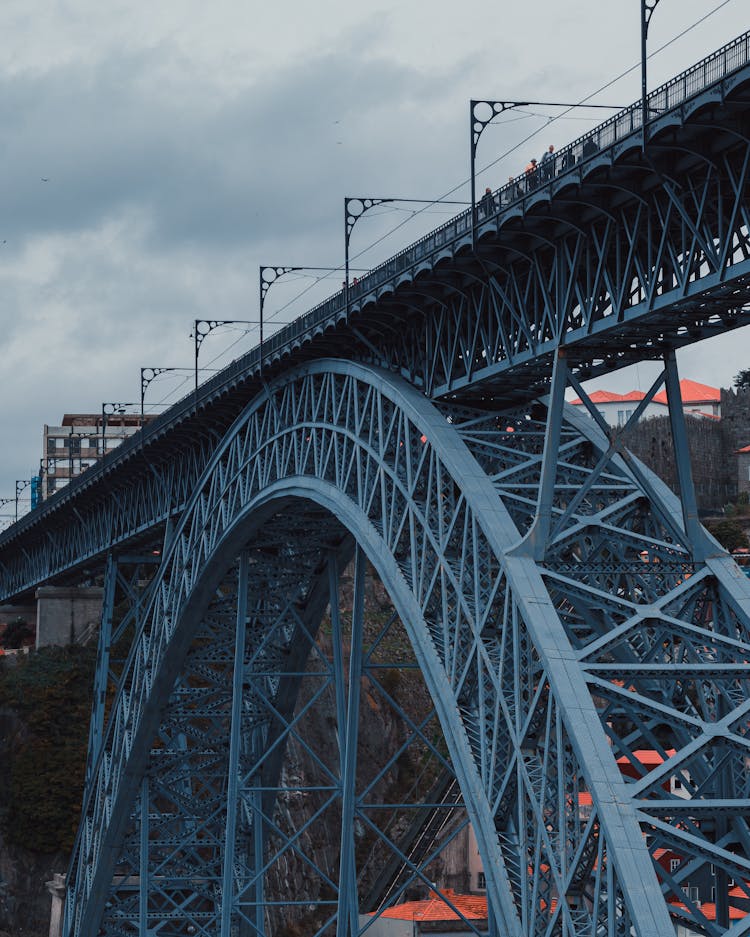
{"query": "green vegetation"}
(18, 633)
(41, 782)
(729, 533)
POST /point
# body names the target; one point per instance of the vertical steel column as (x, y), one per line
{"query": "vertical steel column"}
(539, 533)
(234, 748)
(338, 654)
(143, 881)
(348, 910)
(101, 677)
(647, 10)
(693, 530)
(257, 801)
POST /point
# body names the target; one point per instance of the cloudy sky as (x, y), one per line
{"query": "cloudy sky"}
(154, 154)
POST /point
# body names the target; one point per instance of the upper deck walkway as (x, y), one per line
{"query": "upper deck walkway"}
(525, 209)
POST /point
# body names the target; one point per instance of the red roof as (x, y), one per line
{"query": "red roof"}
(690, 391)
(646, 756)
(608, 396)
(693, 392)
(708, 910)
(473, 908)
(744, 449)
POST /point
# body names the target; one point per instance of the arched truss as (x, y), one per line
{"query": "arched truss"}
(550, 677)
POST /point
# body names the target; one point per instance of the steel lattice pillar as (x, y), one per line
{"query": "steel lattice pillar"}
(565, 612)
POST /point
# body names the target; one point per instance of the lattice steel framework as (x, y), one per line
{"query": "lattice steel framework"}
(617, 255)
(582, 641)
(621, 261)
(566, 613)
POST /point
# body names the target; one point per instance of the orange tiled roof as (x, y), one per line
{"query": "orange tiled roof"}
(608, 396)
(708, 909)
(473, 908)
(646, 756)
(690, 391)
(693, 392)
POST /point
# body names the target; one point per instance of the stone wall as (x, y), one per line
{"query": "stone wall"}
(711, 457)
(713, 445)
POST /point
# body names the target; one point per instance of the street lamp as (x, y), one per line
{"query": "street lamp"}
(48, 466)
(268, 275)
(202, 328)
(109, 409)
(150, 374)
(21, 485)
(355, 207)
(647, 11)
(479, 119)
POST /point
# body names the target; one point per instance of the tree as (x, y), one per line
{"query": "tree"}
(17, 633)
(742, 378)
(729, 533)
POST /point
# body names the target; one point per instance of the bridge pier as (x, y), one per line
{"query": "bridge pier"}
(66, 615)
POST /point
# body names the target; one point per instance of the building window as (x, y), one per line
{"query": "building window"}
(481, 881)
(673, 864)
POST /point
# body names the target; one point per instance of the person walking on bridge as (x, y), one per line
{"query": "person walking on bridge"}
(531, 177)
(488, 203)
(548, 163)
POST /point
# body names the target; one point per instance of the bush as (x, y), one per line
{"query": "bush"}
(18, 633)
(730, 534)
(50, 691)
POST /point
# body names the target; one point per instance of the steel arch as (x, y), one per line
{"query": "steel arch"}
(424, 492)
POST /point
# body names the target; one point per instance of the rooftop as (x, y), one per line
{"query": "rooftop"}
(691, 392)
(472, 907)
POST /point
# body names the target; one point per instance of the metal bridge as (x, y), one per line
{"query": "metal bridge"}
(566, 663)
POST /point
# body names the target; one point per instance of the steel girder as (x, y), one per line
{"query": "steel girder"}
(633, 258)
(550, 677)
(619, 257)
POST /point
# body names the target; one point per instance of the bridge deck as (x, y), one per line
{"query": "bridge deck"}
(611, 152)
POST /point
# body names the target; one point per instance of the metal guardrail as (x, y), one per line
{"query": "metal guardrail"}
(731, 57)
(715, 67)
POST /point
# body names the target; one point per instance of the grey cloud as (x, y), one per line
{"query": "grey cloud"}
(207, 169)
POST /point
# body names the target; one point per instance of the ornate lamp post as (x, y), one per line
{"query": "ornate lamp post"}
(271, 274)
(148, 375)
(21, 485)
(355, 207)
(268, 275)
(109, 409)
(647, 11)
(482, 113)
(202, 328)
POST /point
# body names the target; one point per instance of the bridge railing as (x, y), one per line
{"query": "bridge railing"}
(730, 58)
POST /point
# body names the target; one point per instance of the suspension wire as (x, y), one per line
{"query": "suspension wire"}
(429, 205)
